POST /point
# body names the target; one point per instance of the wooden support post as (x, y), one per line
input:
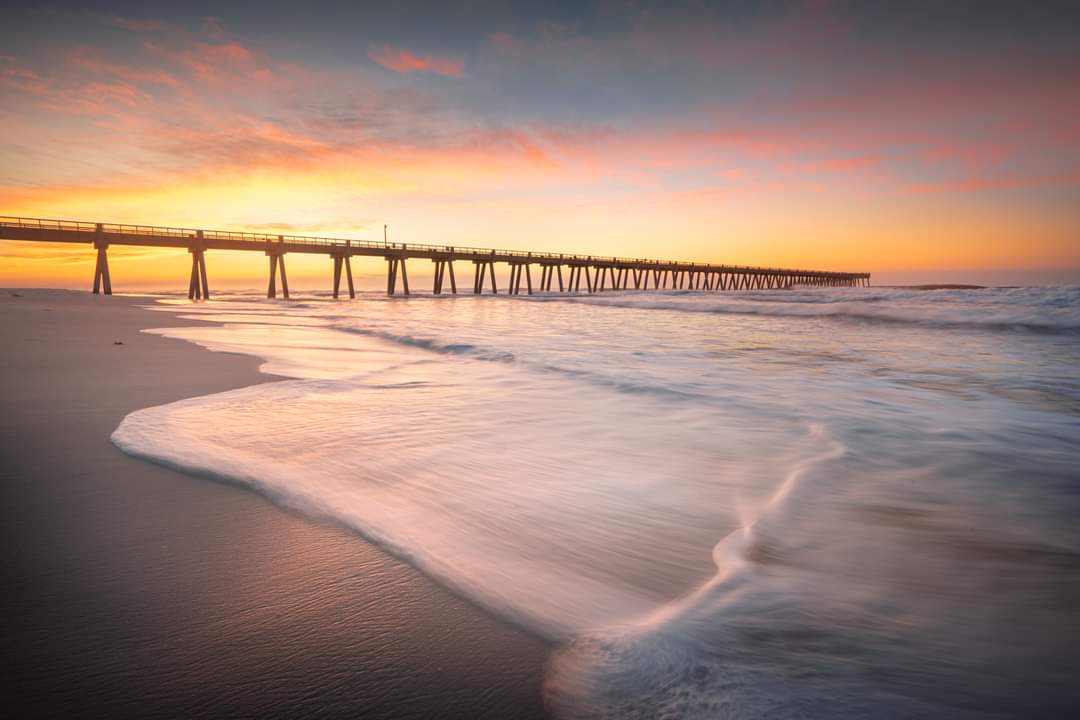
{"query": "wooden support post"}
(202, 275)
(391, 275)
(101, 268)
(436, 287)
(528, 277)
(271, 289)
(284, 277)
(396, 265)
(478, 276)
(198, 287)
(453, 280)
(348, 276)
(337, 274)
(558, 269)
(277, 262)
(194, 291)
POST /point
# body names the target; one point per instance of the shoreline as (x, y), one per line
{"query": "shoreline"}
(136, 590)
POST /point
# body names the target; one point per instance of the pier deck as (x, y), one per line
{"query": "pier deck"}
(600, 273)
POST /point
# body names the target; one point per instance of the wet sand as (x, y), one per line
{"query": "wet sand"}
(131, 590)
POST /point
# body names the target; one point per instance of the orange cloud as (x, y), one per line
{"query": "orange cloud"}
(404, 61)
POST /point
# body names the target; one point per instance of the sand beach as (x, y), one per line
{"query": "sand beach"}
(131, 590)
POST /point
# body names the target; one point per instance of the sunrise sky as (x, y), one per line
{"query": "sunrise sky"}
(922, 141)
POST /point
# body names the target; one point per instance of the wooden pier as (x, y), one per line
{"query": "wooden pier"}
(601, 274)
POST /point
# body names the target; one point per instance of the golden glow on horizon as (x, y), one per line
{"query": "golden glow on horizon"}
(715, 228)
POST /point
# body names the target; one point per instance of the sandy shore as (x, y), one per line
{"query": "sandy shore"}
(131, 590)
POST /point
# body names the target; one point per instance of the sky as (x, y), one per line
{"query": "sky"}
(919, 141)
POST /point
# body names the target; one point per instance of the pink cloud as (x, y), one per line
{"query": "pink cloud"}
(14, 76)
(213, 63)
(836, 165)
(404, 61)
(502, 41)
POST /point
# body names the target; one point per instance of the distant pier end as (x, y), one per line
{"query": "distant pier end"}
(600, 273)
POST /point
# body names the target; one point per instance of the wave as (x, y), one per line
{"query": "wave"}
(428, 343)
(661, 666)
(1040, 309)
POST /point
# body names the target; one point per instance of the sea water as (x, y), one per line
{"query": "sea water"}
(778, 504)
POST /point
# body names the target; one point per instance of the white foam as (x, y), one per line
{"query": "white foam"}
(638, 484)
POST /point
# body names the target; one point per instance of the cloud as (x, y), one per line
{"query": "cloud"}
(502, 41)
(404, 61)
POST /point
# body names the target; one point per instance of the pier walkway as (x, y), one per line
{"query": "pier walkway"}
(568, 273)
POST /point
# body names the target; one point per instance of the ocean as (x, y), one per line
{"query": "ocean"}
(775, 504)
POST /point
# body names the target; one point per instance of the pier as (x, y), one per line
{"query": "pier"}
(601, 274)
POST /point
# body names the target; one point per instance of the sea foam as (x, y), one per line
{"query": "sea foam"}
(767, 504)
